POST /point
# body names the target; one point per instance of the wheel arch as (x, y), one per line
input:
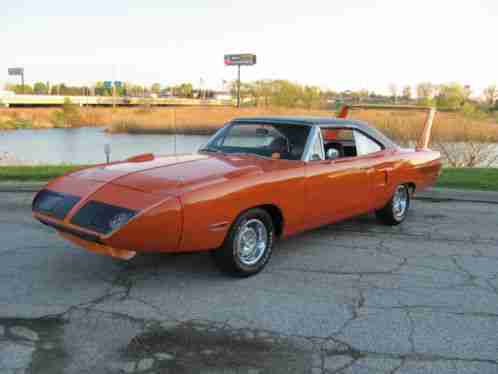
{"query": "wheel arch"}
(275, 213)
(277, 217)
(411, 186)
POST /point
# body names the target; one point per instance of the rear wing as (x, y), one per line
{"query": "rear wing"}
(425, 138)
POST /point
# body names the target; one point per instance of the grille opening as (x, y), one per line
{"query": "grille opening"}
(54, 204)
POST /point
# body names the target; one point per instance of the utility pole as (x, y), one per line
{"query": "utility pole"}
(238, 86)
(114, 95)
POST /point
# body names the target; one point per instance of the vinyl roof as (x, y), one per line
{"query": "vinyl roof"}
(302, 120)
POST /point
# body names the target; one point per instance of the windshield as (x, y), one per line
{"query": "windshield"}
(268, 140)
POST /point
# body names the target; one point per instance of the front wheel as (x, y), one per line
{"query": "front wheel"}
(395, 211)
(248, 245)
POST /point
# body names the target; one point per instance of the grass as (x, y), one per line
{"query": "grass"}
(139, 120)
(459, 178)
(34, 173)
(484, 179)
(402, 127)
(405, 127)
(199, 121)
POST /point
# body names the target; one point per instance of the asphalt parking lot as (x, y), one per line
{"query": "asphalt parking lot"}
(355, 297)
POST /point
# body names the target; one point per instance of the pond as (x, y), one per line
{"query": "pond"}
(86, 145)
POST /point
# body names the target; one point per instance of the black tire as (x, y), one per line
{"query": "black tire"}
(391, 214)
(229, 256)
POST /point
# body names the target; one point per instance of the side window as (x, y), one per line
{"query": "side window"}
(365, 145)
(317, 149)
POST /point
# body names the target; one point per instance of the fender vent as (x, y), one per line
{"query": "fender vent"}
(54, 204)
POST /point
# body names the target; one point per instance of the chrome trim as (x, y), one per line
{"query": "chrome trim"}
(309, 143)
(400, 202)
(68, 230)
(315, 134)
(251, 242)
(218, 226)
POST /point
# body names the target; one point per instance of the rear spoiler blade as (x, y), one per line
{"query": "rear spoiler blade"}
(423, 142)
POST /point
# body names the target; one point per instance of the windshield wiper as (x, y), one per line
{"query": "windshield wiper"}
(247, 154)
(209, 149)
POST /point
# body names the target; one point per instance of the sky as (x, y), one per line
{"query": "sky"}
(340, 44)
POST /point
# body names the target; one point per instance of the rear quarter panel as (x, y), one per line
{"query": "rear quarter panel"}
(420, 167)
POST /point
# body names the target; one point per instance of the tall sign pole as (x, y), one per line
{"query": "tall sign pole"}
(244, 59)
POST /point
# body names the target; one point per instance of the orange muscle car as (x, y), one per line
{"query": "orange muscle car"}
(256, 180)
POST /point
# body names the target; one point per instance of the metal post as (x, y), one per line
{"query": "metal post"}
(238, 86)
(114, 95)
(174, 131)
(22, 81)
(107, 151)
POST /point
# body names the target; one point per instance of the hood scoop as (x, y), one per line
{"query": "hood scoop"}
(141, 158)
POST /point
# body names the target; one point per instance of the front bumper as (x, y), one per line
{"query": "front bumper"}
(111, 219)
(71, 231)
(89, 241)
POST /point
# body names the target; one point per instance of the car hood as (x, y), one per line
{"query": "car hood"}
(171, 174)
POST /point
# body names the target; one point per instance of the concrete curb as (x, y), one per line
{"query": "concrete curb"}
(21, 186)
(431, 194)
(448, 194)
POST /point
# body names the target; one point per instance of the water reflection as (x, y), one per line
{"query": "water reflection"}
(86, 145)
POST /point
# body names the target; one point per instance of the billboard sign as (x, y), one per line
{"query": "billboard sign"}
(16, 71)
(245, 59)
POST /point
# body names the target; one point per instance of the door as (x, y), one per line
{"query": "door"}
(379, 165)
(334, 189)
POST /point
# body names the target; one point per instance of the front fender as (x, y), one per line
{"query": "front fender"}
(155, 229)
(209, 212)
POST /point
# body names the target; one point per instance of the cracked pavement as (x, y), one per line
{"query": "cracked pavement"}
(354, 297)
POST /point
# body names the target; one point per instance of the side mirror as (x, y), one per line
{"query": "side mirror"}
(332, 154)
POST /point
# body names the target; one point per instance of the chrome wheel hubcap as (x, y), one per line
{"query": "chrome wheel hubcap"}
(251, 241)
(400, 202)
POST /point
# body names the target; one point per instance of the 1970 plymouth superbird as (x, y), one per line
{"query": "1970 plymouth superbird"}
(256, 180)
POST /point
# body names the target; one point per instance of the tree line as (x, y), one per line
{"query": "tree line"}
(284, 93)
(185, 90)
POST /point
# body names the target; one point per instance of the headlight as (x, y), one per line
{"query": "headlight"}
(101, 217)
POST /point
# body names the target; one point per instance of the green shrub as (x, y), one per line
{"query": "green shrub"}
(69, 115)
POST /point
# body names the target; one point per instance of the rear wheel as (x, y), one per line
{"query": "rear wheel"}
(248, 245)
(395, 211)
